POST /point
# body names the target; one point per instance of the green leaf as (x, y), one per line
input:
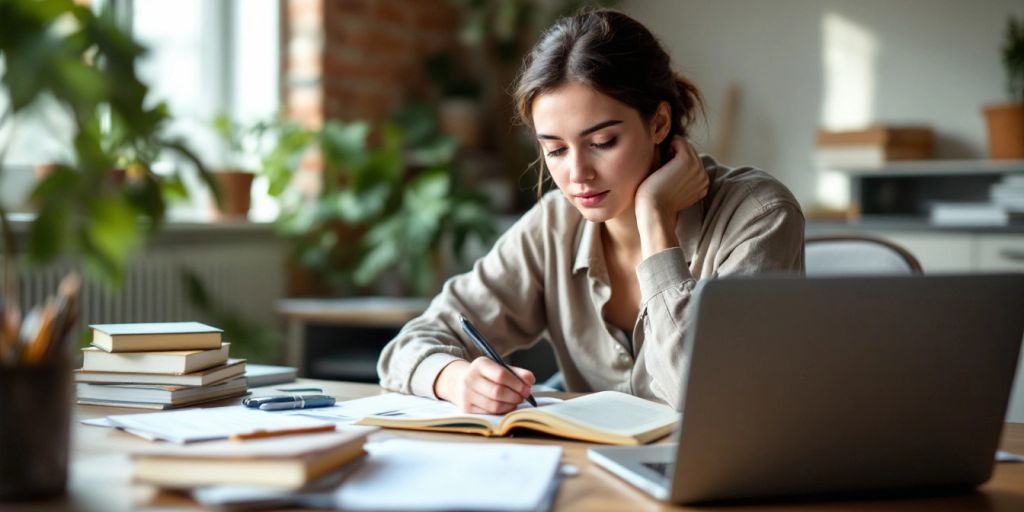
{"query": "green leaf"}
(47, 235)
(113, 230)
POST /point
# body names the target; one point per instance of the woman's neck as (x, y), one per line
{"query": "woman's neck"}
(623, 236)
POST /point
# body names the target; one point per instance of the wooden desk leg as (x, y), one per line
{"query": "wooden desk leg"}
(297, 345)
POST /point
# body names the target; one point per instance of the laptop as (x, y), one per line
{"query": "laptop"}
(817, 386)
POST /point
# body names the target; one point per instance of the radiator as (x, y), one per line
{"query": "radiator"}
(241, 272)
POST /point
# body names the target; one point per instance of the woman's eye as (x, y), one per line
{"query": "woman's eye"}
(556, 152)
(605, 145)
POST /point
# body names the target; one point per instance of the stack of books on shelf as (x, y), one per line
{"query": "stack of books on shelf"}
(872, 147)
(158, 366)
(1005, 207)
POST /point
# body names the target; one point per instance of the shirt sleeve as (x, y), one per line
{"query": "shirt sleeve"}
(771, 242)
(502, 295)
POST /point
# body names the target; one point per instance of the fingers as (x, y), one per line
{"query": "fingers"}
(490, 389)
(526, 376)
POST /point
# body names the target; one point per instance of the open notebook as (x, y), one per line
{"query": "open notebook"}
(607, 417)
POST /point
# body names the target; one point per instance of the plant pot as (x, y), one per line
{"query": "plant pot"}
(460, 118)
(236, 192)
(1005, 124)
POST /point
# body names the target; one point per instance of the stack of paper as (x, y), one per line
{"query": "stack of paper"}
(158, 366)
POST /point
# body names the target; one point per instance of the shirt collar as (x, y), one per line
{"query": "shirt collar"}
(588, 247)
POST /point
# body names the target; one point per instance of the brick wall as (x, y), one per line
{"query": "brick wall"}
(359, 59)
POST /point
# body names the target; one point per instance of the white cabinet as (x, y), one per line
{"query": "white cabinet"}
(1001, 253)
(938, 252)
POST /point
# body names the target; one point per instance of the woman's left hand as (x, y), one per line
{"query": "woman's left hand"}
(675, 186)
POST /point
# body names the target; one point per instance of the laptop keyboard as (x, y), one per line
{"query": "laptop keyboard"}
(660, 467)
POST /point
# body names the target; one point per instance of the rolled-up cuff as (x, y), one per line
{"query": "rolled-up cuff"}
(662, 271)
(422, 382)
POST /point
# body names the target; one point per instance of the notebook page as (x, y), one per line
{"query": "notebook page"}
(614, 412)
(401, 407)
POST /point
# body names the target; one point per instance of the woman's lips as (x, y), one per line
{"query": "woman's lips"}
(591, 199)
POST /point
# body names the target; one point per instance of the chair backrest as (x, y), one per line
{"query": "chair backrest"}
(846, 254)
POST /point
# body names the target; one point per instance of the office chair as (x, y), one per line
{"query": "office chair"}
(846, 254)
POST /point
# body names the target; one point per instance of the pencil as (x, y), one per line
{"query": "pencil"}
(260, 434)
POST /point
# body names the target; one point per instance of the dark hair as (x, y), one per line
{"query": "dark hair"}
(616, 56)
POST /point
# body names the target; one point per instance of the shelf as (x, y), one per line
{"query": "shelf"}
(913, 168)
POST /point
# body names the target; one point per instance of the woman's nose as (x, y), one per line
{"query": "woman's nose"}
(581, 171)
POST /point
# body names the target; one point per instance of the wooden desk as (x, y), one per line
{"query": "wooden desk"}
(100, 474)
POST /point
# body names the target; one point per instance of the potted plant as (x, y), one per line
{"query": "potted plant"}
(393, 208)
(1005, 121)
(61, 53)
(233, 177)
(460, 112)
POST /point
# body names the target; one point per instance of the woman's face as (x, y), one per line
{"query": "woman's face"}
(597, 149)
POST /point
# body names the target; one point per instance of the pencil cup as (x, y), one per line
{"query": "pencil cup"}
(35, 419)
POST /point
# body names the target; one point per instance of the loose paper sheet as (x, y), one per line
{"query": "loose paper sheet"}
(190, 425)
(450, 476)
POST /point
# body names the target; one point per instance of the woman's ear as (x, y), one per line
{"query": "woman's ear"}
(661, 122)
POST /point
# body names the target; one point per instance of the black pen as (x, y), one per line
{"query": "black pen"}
(485, 347)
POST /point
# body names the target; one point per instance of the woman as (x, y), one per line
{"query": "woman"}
(604, 267)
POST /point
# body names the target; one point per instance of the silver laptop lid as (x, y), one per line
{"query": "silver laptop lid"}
(807, 386)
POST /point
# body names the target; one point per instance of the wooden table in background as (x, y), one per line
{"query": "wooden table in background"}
(100, 473)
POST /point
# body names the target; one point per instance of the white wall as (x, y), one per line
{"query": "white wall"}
(906, 61)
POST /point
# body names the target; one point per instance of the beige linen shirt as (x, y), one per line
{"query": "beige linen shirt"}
(546, 276)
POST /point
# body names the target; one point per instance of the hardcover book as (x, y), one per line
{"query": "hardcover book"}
(173, 362)
(212, 375)
(160, 394)
(286, 462)
(155, 336)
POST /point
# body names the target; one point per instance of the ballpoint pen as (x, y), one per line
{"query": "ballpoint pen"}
(485, 347)
(276, 403)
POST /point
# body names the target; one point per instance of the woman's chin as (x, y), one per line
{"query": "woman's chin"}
(595, 214)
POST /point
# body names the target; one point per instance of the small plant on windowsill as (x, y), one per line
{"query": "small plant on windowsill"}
(235, 176)
(1005, 121)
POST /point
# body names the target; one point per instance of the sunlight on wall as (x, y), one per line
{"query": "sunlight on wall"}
(849, 54)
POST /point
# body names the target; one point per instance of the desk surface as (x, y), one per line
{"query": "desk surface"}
(100, 474)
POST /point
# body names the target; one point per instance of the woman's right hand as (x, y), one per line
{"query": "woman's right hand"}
(483, 386)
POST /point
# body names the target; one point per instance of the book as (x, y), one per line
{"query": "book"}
(160, 394)
(155, 336)
(608, 417)
(878, 135)
(864, 156)
(872, 147)
(285, 462)
(232, 368)
(175, 362)
(267, 375)
(973, 214)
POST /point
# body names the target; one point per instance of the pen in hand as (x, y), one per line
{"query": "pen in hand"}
(485, 347)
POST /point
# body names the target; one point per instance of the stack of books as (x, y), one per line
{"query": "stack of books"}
(158, 366)
(1008, 193)
(872, 147)
(1005, 207)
